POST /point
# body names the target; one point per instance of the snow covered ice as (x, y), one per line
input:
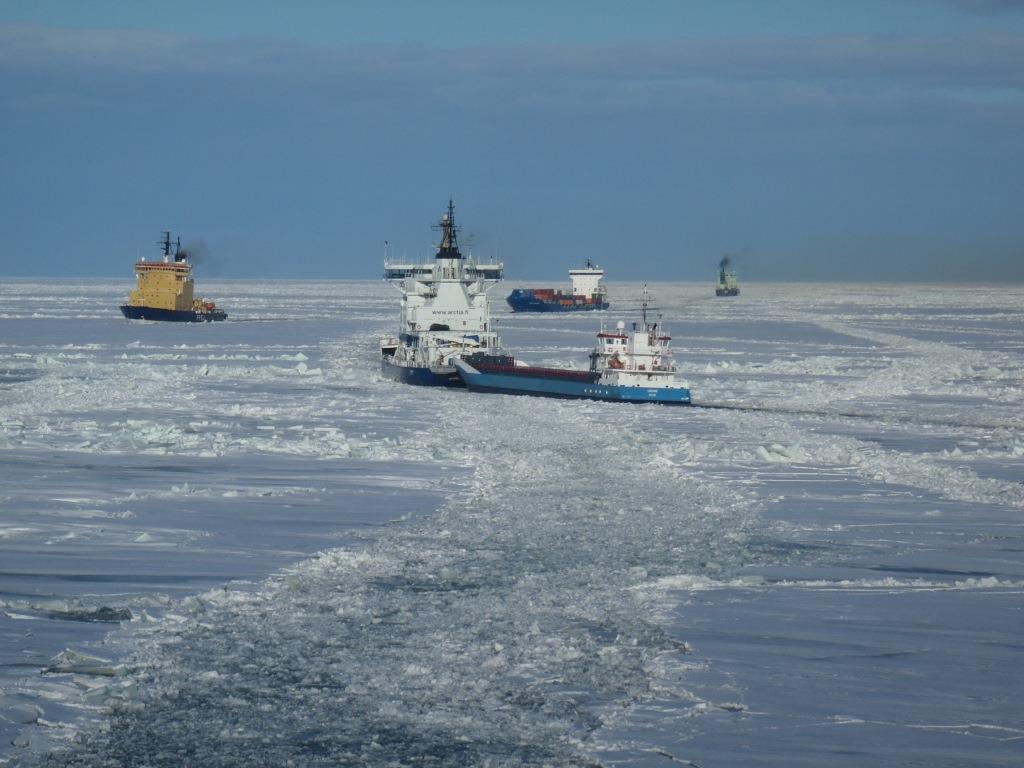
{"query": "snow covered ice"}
(235, 544)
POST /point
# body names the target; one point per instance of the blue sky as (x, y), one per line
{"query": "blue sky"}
(809, 140)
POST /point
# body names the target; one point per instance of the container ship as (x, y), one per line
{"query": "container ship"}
(444, 313)
(727, 285)
(588, 292)
(634, 367)
(164, 290)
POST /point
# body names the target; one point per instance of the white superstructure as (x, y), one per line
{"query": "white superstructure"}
(586, 281)
(638, 358)
(444, 308)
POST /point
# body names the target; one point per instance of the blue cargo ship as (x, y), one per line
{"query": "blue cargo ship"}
(633, 367)
(483, 375)
(588, 293)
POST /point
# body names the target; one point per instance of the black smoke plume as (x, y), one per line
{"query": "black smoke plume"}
(196, 251)
(202, 259)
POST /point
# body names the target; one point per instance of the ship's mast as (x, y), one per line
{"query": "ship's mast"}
(165, 245)
(449, 246)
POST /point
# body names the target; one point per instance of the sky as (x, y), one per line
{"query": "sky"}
(807, 139)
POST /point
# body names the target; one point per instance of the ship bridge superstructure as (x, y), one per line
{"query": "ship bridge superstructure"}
(165, 284)
(640, 357)
(587, 281)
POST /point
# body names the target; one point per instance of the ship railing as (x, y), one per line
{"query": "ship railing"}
(396, 270)
(494, 271)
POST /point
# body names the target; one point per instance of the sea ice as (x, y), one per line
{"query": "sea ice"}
(84, 664)
(509, 581)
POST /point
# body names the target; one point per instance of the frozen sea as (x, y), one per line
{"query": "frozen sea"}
(236, 544)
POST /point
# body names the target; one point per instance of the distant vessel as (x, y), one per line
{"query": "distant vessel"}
(588, 292)
(164, 289)
(444, 313)
(633, 367)
(727, 285)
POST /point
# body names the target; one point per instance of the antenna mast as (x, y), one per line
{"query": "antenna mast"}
(449, 246)
(165, 244)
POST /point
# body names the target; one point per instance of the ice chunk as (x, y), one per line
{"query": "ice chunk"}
(781, 454)
(102, 614)
(17, 710)
(12, 531)
(83, 664)
(731, 706)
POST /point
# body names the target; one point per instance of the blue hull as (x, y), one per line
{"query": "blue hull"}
(510, 384)
(525, 301)
(423, 377)
(171, 315)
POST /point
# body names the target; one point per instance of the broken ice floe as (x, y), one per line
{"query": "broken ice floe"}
(781, 454)
(69, 661)
(19, 709)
